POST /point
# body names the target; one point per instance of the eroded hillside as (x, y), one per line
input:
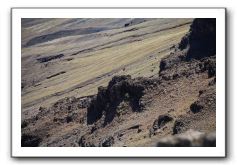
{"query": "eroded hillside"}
(155, 90)
(73, 57)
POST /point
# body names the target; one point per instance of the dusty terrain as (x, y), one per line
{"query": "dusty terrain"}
(118, 82)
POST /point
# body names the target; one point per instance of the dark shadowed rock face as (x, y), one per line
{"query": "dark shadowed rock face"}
(199, 43)
(201, 39)
(120, 88)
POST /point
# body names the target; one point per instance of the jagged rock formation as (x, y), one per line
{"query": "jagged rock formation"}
(199, 43)
(120, 88)
(201, 40)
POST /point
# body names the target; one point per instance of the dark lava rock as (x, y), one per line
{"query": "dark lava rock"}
(30, 140)
(161, 121)
(201, 38)
(196, 107)
(179, 127)
(198, 45)
(120, 88)
(107, 142)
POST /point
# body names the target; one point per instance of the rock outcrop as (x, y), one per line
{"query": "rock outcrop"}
(202, 39)
(120, 88)
(199, 43)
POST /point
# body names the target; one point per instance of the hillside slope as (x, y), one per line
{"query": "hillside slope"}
(148, 110)
(73, 57)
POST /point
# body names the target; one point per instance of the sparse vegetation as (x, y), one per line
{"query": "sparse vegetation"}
(131, 82)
